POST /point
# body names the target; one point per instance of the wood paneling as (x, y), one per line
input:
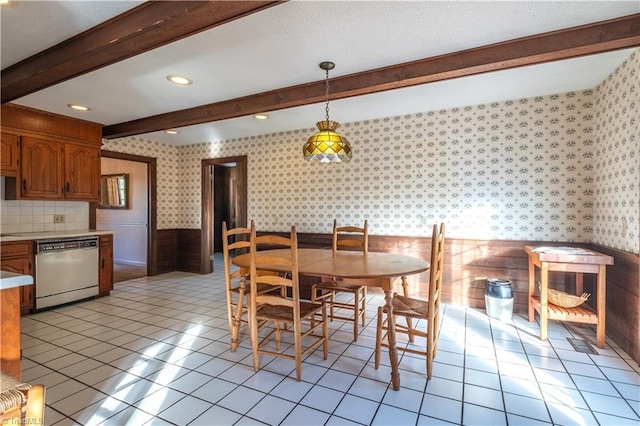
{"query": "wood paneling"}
(167, 251)
(189, 250)
(179, 250)
(623, 300)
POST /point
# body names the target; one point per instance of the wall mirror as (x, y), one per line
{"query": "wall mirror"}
(114, 191)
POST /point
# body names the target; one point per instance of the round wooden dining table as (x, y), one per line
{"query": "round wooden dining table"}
(373, 269)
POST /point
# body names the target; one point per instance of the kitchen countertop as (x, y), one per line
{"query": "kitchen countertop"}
(25, 236)
(10, 280)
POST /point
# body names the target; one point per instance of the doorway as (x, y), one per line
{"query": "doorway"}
(135, 236)
(224, 198)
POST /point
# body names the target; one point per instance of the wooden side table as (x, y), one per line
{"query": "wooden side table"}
(578, 261)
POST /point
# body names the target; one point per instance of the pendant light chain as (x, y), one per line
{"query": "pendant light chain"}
(326, 94)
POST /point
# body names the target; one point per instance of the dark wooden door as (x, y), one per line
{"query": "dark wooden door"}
(220, 205)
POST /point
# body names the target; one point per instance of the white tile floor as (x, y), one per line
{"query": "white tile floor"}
(157, 352)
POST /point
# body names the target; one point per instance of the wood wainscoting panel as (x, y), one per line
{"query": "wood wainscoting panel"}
(167, 250)
(189, 256)
(623, 300)
(468, 264)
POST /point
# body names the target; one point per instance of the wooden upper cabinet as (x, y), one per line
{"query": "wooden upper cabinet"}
(41, 169)
(82, 172)
(9, 154)
(58, 156)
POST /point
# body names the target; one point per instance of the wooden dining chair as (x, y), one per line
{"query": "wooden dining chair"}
(353, 238)
(21, 403)
(235, 241)
(306, 320)
(417, 309)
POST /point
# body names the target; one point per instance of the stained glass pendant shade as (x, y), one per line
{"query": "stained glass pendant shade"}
(326, 145)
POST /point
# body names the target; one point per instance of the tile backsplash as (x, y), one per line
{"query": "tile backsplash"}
(38, 216)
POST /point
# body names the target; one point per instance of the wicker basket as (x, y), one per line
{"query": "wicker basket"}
(566, 300)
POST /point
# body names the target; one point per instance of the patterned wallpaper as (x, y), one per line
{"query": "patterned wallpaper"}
(521, 169)
(617, 158)
(167, 191)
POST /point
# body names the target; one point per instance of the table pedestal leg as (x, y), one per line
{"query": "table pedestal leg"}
(391, 335)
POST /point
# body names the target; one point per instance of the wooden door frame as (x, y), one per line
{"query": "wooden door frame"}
(152, 205)
(207, 209)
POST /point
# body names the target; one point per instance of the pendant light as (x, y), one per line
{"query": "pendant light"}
(327, 146)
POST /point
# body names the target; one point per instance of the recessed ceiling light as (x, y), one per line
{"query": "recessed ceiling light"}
(78, 107)
(261, 116)
(171, 132)
(179, 80)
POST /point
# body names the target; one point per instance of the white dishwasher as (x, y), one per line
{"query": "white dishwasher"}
(66, 270)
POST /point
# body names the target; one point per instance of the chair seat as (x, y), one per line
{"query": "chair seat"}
(337, 286)
(13, 393)
(20, 403)
(408, 307)
(285, 313)
(262, 289)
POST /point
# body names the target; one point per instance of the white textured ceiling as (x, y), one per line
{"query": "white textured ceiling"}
(283, 45)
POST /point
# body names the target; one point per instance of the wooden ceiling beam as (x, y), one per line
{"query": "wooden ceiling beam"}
(138, 30)
(568, 43)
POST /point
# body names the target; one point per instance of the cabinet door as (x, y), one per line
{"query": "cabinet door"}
(27, 300)
(9, 154)
(21, 266)
(41, 169)
(82, 172)
(106, 264)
